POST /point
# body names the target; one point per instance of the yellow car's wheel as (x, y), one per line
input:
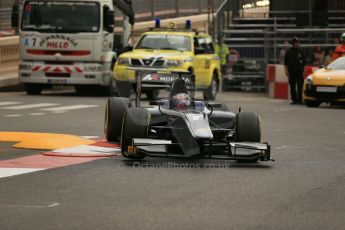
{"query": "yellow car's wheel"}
(311, 103)
(211, 92)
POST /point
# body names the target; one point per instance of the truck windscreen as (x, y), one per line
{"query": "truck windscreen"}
(165, 42)
(61, 16)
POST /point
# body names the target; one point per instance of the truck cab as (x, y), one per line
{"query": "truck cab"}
(67, 42)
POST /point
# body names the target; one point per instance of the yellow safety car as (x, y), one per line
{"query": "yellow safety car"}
(175, 50)
(326, 85)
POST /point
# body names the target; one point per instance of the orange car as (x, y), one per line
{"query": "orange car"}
(326, 84)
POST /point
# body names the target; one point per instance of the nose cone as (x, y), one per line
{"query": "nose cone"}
(199, 126)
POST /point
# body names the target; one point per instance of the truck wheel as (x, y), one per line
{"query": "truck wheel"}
(33, 89)
(313, 104)
(248, 129)
(135, 125)
(82, 89)
(115, 109)
(152, 95)
(211, 92)
(123, 88)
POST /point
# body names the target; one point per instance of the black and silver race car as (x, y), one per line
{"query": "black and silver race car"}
(181, 126)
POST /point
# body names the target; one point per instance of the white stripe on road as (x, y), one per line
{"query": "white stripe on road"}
(6, 172)
(31, 106)
(6, 103)
(70, 107)
(37, 114)
(13, 115)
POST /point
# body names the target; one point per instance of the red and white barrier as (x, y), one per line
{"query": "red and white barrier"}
(278, 82)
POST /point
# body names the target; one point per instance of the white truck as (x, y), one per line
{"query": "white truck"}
(67, 42)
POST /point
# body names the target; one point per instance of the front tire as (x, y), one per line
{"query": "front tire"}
(211, 92)
(115, 109)
(248, 129)
(135, 125)
(123, 88)
(33, 89)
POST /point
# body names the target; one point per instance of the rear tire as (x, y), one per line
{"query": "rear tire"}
(248, 129)
(211, 92)
(313, 104)
(135, 125)
(33, 89)
(115, 109)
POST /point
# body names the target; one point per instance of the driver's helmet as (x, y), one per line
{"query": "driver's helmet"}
(180, 101)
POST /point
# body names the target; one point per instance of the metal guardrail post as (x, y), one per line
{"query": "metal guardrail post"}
(177, 8)
(153, 8)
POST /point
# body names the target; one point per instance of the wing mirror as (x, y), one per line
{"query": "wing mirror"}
(108, 19)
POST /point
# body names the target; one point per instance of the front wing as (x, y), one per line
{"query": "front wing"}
(221, 151)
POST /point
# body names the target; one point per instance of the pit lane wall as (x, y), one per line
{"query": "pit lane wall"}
(9, 54)
(278, 82)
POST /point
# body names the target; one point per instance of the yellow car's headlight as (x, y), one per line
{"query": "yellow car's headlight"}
(309, 80)
(123, 61)
(173, 63)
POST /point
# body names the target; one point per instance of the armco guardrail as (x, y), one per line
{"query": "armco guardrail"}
(9, 53)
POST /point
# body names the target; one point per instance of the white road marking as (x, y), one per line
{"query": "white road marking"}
(51, 205)
(69, 107)
(88, 150)
(6, 172)
(37, 114)
(13, 115)
(59, 112)
(30, 106)
(90, 137)
(6, 103)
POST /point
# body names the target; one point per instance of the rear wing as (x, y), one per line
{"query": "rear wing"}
(155, 79)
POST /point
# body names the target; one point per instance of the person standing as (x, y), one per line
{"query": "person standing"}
(282, 52)
(222, 51)
(294, 63)
(340, 50)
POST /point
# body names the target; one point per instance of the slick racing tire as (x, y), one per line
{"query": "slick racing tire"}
(248, 129)
(313, 104)
(211, 92)
(33, 89)
(135, 125)
(115, 109)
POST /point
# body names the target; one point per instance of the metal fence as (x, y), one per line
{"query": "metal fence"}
(144, 10)
(5, 18)
(150, 9)
(259, 34)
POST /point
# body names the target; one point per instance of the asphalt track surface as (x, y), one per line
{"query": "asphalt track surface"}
(303, 189)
